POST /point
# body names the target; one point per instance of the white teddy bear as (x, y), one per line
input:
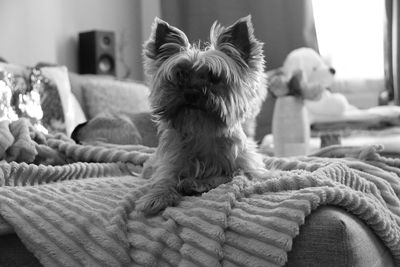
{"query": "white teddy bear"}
(305, 69)
(303, 82)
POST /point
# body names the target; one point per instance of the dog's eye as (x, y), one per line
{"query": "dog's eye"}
(215, 79)
(180, 75)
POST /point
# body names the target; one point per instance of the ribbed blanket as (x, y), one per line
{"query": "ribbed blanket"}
(82, 213)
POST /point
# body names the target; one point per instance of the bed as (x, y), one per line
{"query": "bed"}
(69, 203)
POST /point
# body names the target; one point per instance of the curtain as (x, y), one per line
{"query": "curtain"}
(283, 25)
(392, 56)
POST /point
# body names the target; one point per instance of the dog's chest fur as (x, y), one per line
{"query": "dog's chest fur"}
(202, 157)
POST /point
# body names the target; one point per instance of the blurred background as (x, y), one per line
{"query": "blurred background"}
(359, 38)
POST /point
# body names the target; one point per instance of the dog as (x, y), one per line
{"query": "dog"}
(201, 95)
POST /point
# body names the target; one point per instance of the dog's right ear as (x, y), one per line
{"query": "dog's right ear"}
(165, 41)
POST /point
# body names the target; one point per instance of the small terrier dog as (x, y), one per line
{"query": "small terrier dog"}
(201, 97)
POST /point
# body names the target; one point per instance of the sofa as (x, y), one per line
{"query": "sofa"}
(330, 236)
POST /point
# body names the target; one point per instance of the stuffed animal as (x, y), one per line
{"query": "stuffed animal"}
(307, 65)
(302, 90)
(304, 73)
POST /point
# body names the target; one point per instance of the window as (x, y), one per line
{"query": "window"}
(350, 36)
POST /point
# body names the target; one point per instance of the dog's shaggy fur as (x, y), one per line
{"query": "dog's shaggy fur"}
(200, 99)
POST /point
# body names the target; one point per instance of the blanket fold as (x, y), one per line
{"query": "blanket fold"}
(82, 212)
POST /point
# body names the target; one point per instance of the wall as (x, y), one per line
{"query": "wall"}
(47, 30)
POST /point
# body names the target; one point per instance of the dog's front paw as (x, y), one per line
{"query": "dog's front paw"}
(258, 174)
(156, 200)
(192, 186)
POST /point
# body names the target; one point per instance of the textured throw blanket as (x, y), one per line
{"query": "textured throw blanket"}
(82, 212)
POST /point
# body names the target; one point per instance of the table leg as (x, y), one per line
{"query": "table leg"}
(328, 139)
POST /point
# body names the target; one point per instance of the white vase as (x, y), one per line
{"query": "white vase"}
(290, 127)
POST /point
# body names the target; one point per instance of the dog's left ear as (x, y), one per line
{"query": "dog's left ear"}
(238, 40)
(165, 41)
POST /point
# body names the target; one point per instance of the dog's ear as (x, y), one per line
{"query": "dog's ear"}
(164, 41)
(238, 41)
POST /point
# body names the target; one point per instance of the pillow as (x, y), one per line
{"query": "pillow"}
(52, 106)
(114, 96)
(20, 94)
(146, 126)
(72, 111)
(14, 68)
(107, 128)
(53, 114)
(333, 237)
(7, 112)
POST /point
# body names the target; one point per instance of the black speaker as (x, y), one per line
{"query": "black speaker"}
(97, 52)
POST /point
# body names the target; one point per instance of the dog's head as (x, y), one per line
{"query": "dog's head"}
(220, 83)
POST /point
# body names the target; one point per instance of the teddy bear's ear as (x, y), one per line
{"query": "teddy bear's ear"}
(277, 83)
(298, 87)
(296, 83)
(238, 41)
(165, 41)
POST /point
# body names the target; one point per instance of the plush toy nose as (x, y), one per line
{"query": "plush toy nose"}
(332, 70)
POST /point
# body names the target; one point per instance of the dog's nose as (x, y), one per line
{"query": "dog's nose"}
(191, 96)
(332, 70)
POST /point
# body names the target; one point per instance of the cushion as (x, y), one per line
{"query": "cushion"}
(114, 96)
(43, 95)
(332, 237)
(14, 253)
(20, 94)
(13, 68)
(7, 111)
(77, 81)
(123, 129)
(107, 128)
(146, 126)
(53, 114)
(57, 78)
